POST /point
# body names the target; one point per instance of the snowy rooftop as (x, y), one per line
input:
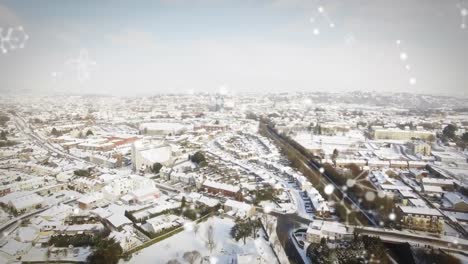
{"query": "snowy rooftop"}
(420, 211)
(221, 186)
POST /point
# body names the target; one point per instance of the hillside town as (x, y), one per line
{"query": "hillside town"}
(354, 177)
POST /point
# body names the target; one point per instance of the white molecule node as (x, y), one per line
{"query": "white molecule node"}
(329, 189)
(350, 182)
(403, 56)
(370, 196)
(12, 39)
(464, 12)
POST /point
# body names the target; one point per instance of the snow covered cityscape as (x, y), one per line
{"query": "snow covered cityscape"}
(233, 179)
(233, 132)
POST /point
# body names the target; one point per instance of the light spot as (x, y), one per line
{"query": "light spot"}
(350, 182)
(381, 194)
(329, 189)
(392, 216)
(464, 12)
(403, 56)
(370, 196)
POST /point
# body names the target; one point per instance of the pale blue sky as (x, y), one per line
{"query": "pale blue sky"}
(148, 47)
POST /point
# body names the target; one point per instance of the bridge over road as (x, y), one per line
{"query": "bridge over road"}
(448, 243)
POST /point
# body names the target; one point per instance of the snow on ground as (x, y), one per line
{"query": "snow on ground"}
(329, 143)
(300, 205)
(226, 247)
(283, 208)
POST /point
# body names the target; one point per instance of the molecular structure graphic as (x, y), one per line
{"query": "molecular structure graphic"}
(12, 38)
(371, 195)
(463, 14)
(404, 59)
(350, 39)
(55, 76)
(83, 65)
(324, 15)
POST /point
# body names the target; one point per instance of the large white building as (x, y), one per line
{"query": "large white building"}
(332, 231)
(147, 153)
(399, 134)
(163, 128)
(124, 185)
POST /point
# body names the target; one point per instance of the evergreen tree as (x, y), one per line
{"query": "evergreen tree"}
(449, 131)
(242, 229)
(3, 135)
(55, 132)
(156, 167)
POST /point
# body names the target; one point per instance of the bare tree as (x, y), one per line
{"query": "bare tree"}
(255, 224)
(210, 242)
(192, 256)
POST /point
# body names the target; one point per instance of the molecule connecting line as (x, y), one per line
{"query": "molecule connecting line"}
(463, 15)
(83, 65)
(322, 13)
(12, 38)
(404, 59)
(350, 39)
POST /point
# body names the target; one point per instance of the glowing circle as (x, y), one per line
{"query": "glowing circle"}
(464, 12)
(403, 56)
(381, 194)
(329, 189)
(350, 182)
(370, 196)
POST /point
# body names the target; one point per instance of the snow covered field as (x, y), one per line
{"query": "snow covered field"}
(226, 248)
